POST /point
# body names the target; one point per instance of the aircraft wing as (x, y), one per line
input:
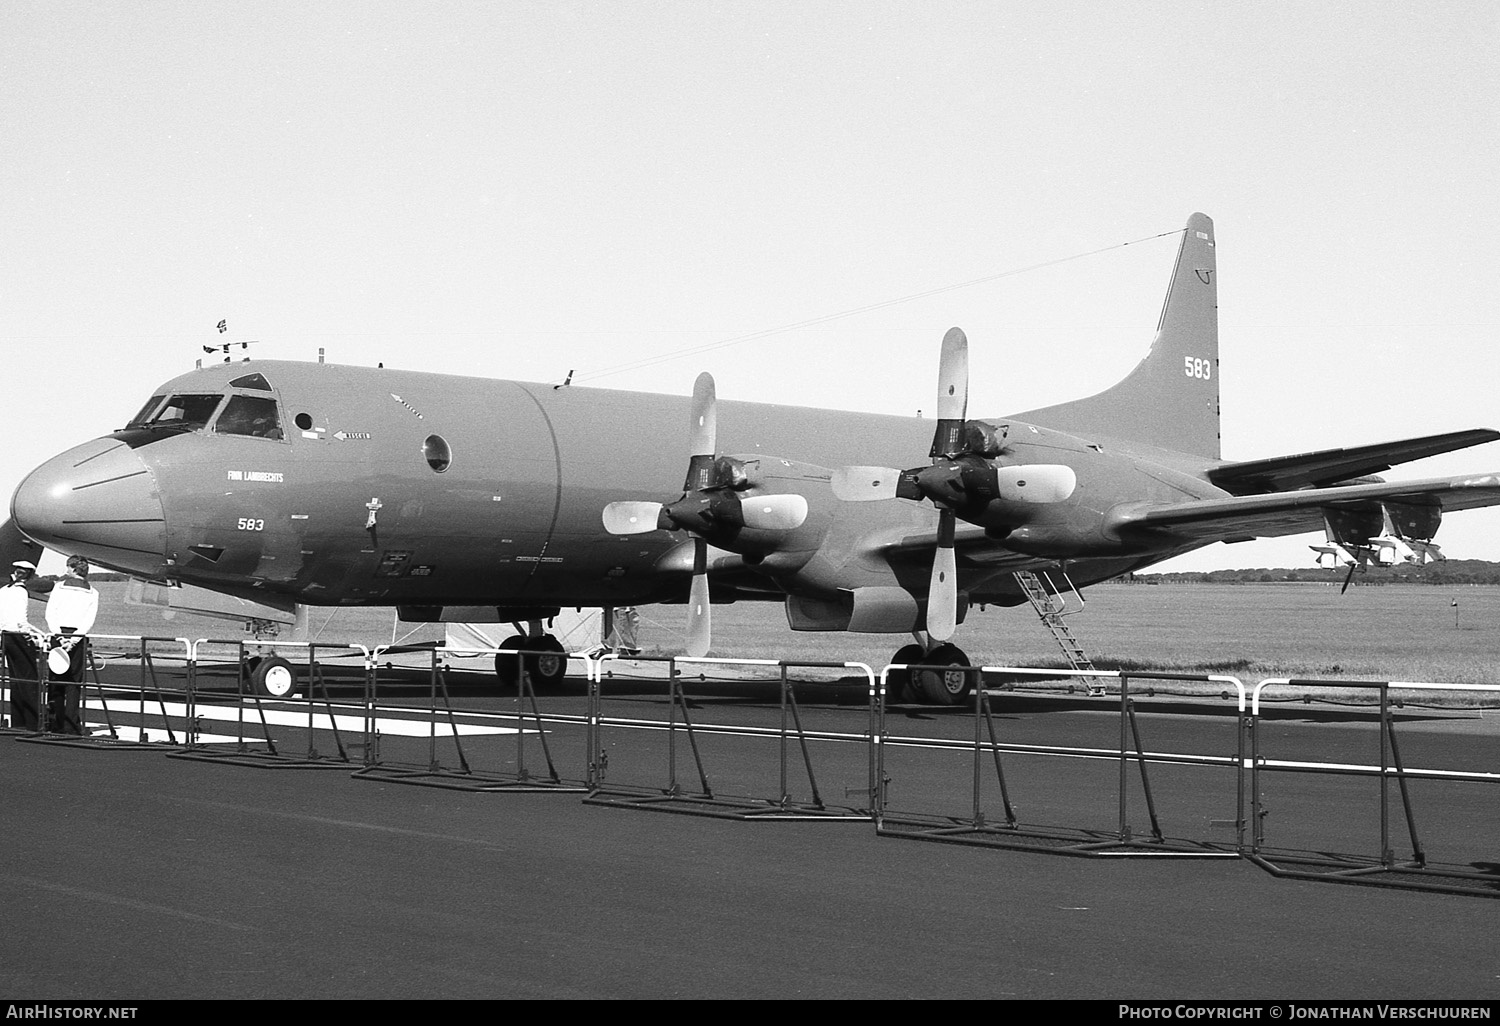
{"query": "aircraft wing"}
(973, 546)
(1297, 512)
(1283, 473)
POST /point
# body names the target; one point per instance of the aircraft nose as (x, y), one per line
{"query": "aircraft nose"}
(98, 500)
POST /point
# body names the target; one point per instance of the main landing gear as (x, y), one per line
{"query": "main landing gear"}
(935, 678)
(545, 658)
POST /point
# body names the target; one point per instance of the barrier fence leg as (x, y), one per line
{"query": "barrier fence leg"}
(315, 678)
(541, 733)
(1419, 856)
(598, 761)
(1140, 752)
(1010, 812)
(978, 758)
(802, 741)
(440, 682)
(677, 695)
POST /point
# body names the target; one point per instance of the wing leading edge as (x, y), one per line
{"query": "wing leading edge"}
(1329, 466)
(1297, 512)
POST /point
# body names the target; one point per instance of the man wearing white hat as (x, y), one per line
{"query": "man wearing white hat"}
(71, 609)
(21, 643)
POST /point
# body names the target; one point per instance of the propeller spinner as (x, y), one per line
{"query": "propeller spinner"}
(714, 507)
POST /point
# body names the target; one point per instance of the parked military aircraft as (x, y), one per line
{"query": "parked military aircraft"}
(466, 499)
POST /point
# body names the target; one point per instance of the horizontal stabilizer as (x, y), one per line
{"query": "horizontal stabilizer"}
(1284, 473)
(1283, 513)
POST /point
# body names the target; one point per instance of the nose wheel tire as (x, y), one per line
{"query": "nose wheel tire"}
(945, 684)
(272, 677)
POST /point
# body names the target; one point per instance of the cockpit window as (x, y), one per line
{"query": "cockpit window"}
(256, 380)
(249, 415)
(183, 412)
(140, 419)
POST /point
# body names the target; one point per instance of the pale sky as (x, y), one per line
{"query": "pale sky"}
(517, 189)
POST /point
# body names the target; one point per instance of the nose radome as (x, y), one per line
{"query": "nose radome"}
(98, 500)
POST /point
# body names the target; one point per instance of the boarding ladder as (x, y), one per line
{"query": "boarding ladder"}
(1051, 607)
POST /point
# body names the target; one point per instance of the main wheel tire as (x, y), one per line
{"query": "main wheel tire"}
(898, 682)
(508, 667)
(272, 677)
(546, 661)
(945, 686)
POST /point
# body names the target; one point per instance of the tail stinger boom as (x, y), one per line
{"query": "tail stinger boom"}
(1171, 399)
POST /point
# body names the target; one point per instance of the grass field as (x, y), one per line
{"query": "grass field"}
(1251, 631)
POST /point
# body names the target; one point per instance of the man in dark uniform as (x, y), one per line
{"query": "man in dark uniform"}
(21, 643)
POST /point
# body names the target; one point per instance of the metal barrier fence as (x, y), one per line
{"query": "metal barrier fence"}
(65, 709)
(959, 774)
(743, 796)
(1313, 860)
(477, 740)
(245, 718)
(933, 813)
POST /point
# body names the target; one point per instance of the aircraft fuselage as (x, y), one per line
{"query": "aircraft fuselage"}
(336, 485)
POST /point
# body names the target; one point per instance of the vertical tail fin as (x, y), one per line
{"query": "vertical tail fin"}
(1171, 399)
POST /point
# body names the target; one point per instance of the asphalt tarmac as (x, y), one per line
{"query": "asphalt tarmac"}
(130, 875)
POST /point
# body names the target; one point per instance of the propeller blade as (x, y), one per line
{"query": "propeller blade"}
(774, 512)
(942, 590)
(703, 429)
(1039, 482)
(953, 392)
(632, 517)
(1352, 567)
(864, 484)
(700, 627)
(703, 432)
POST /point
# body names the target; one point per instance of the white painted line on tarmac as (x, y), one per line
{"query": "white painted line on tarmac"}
(287, 718)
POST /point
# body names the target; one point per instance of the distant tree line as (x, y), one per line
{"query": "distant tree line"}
(1452, 571)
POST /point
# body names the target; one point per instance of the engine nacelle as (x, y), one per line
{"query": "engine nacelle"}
(1390, 533)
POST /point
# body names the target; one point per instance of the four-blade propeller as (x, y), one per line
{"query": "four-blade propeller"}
(962, 480)
(716, 505)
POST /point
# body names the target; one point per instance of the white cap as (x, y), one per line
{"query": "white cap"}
(24, 564)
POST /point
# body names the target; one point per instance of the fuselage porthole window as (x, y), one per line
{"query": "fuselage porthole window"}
(303, 421)
(439, 455)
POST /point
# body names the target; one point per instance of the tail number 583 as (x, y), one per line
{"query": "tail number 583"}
(1196, 368)
(251, 524)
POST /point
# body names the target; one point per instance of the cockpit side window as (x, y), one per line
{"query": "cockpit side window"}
(142, 418)
(249, 415)
(185, 412)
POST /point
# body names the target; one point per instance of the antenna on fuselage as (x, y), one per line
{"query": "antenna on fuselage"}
(225, 347)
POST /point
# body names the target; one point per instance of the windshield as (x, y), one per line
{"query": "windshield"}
(183, 412)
